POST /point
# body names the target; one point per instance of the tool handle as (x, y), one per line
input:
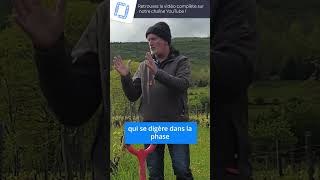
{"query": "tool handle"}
(141, 155)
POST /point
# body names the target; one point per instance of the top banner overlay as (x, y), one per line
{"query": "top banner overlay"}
(172, 9)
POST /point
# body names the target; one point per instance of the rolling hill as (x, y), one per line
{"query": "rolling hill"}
(196, 49)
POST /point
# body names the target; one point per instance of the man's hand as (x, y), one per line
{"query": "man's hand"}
(119, 66)
(150, 63)
(43, 27)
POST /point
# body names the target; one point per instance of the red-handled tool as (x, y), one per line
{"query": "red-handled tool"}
(141, 155)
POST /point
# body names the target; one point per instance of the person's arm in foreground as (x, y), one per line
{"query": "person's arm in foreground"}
(72, 89)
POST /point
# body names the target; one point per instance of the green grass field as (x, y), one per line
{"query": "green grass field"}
(199, 157)
(307, 90)
(288, 174)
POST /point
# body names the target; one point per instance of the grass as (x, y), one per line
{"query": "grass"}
(283, 90)
(300, 173)
(199, 160)
(308, 91)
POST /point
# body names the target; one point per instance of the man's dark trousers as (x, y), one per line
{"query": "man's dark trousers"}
(180, 157)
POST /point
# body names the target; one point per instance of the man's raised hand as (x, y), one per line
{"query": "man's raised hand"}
(150, 63)
(119, 66)
(43, 27)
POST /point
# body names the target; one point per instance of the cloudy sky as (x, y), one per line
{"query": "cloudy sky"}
(135, 32)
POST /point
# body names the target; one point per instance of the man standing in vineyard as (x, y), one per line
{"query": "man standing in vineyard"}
(161, 81)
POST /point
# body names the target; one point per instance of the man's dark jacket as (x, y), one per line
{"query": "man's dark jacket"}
(166, 99)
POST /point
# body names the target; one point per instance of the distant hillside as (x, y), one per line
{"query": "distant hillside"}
(196, 49)
(288, 34)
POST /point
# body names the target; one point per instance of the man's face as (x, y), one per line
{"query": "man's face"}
(156, 44)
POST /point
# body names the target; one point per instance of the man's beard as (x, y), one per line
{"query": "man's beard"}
(153, 51)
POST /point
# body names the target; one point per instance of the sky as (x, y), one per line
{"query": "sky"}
(180, 27)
